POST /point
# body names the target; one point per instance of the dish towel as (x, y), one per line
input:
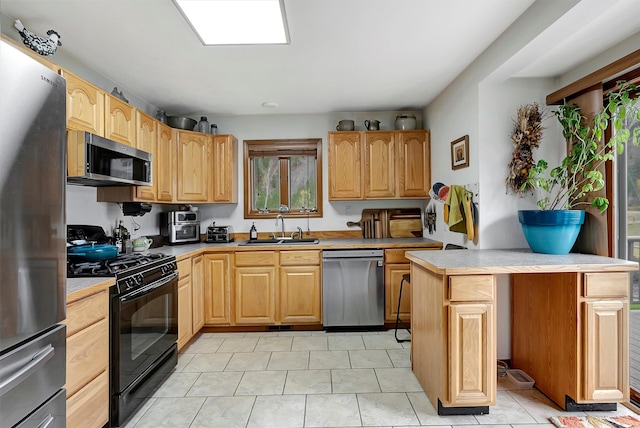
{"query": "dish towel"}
(457, 211)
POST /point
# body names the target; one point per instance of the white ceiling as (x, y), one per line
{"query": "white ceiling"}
(345, 55)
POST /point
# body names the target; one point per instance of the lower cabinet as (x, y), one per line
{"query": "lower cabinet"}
(217, 288)
(88, 361)
(197, 285)
(395, 266)
(277, 287)
(300, 287)
(185, 303)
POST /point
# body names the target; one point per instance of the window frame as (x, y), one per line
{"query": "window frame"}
(286, 148)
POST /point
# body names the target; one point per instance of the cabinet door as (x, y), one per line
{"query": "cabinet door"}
(255, 295)
(606, 376)
(185, 329)
(197, 285)
(164, 166)
(146, 141)
(224, 185)
(120, 122)
(345, 174)
(300, 295)
(379, 165)
(392, 277)
(85, 105)
(193, 167)
(472, 354)
(217, 289)
(414, 164)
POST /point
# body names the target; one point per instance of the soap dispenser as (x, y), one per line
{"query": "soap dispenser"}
(253, 232)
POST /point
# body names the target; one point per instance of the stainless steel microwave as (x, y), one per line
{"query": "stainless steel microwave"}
(93, 160)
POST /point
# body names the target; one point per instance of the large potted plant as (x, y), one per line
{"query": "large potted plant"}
(567, 188)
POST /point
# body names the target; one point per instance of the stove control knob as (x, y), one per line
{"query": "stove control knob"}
(139, 279)
(128, 282)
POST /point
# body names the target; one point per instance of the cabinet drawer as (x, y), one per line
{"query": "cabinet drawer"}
(84, 312)
(90, 406)
(87, 356)
(467, 288)
(612, 284)
(396, 255)
(256, 258)
(299, 258)
(184, 268)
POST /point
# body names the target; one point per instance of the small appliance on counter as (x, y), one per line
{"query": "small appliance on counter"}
(219, 234)
(180, 227)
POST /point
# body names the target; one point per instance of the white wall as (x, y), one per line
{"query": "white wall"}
(261, 127)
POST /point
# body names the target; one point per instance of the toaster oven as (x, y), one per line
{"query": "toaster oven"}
(180, 227)
(219, 234)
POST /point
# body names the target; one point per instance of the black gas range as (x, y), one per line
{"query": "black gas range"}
(143, 318)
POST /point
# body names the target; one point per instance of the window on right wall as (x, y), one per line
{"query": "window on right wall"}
(283, 177)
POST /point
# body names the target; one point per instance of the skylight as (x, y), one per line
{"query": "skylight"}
(236, 22)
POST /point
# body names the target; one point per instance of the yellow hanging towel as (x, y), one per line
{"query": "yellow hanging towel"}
(457, 211)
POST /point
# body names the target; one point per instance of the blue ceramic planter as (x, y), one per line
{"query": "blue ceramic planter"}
(551, 232)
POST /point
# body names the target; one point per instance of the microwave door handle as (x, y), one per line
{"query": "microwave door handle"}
(36, 362)
(148, 288)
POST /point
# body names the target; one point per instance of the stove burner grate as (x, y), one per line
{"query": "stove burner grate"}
(110, 267)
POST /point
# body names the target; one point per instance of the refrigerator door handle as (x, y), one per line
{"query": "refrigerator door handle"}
(37, 361)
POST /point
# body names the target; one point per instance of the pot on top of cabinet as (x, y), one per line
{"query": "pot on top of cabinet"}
(406, 122)
(346, 125)
(372, 125)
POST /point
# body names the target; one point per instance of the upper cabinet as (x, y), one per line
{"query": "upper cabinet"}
(146, 140)
(85, 105)
(164, 164)
(379, 165)
(120, 123)
(193, 166)
(224, 187)
(345, 170)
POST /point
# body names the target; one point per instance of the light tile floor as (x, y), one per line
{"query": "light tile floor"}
(315, 379)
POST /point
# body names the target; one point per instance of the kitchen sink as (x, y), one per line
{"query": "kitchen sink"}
(281, 241)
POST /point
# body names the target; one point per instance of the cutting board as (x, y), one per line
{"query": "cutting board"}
(405, 227)
(376, 223)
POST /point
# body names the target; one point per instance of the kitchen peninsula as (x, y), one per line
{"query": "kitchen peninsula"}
(569, 331)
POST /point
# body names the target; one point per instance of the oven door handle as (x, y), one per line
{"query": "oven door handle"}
(148, 288)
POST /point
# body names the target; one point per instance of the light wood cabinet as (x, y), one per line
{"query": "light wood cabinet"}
(217, 289)
(146, 140)
(345, 168)
(193, 166)
(197, 284)
(185, 303)
(224, 177)
(592, 366)
(255, 287)
(413, 164)
(88, 361)
(85, 105)
(120, 121)
(606, 337)
(379, 165)
(300, 287)
(164, 164)
(278, 287)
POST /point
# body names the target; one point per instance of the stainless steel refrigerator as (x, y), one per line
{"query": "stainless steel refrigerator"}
(32, 242)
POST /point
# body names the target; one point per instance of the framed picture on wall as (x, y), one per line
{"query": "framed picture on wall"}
(460, 153)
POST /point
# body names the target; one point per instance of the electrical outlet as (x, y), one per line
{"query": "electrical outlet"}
(347, 209)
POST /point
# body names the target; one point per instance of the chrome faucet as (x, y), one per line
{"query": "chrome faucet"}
(299, 232)
(279, 216)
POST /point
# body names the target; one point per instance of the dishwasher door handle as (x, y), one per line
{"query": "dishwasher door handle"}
(354, 259)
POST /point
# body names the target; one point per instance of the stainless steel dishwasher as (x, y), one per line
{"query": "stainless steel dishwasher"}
(352, 288)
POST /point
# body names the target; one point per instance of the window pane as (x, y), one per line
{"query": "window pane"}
(302, 182)
(266, 183)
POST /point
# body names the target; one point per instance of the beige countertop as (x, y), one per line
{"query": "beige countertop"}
(78, 288)
(472, 262)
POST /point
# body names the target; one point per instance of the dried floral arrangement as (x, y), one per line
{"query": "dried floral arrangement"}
(526, 136)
